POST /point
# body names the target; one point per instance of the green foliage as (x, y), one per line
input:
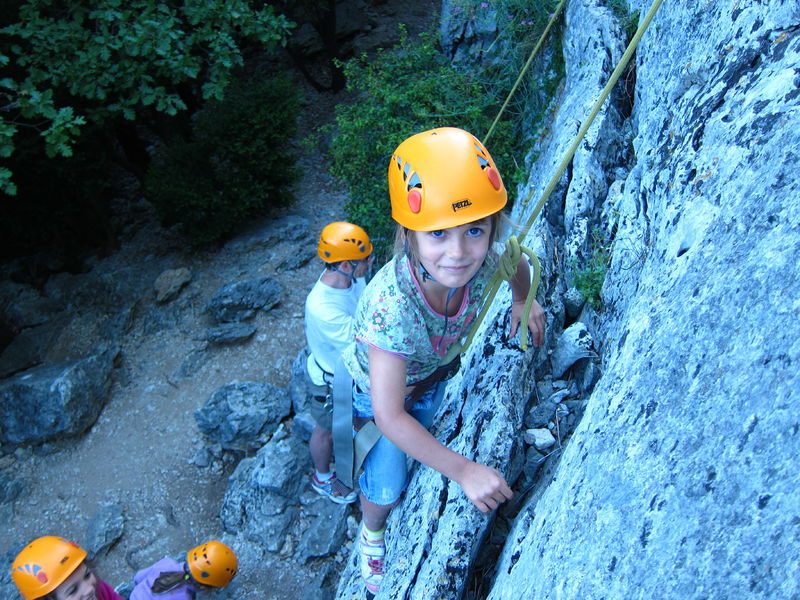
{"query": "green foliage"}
(589, 277)
(238, 162)
(413, 87)
(521, 25)
(404, 90)
(78, 61)
(627, 18)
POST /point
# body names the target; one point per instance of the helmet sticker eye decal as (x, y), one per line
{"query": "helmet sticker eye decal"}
(494, 178)
(415, 201)
(486, 167)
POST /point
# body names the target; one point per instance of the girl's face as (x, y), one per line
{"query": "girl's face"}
(453, 256)
(78, 586)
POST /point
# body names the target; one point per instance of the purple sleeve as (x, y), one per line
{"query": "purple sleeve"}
(105, 591)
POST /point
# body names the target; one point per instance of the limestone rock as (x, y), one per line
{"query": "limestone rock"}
(169, 284)
(259, 502)
(55, 400)
(541, 439)
(229, 333)
(574, 344)
(239, 301)
(105, 528)
(240, 415)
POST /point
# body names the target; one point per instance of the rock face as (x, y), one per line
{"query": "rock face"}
(676, 463)
(243, 415)
(260, 500)
(680, 480)
(57, 400)
(239, 301)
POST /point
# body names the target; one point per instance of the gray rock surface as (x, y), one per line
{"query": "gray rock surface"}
(243, 415)
(325, 530)
(239, 301)
(573, 344)
(55, 400)
(105, 528)
(229, 333)
(29, 348)
(469, 32)
(169, 284)
(680, 479)
(261, 500)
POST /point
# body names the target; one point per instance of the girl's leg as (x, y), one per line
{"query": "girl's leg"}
(375, 515)
(382, 483)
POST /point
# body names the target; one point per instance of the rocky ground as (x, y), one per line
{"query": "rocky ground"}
(144, 455)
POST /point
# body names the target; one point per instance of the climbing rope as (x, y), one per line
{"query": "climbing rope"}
(513, 247)
(527, 65)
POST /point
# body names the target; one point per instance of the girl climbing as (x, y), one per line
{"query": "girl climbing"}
(446, 197)
(52, 568)
(209, 565)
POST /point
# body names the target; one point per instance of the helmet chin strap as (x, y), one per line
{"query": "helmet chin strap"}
(426, 276)
(423, 272)
(450, 293)
(351, 275)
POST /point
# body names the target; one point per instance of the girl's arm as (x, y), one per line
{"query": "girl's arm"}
(520, 285)
(484, 486)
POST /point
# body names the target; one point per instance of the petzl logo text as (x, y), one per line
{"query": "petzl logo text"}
(460, 205)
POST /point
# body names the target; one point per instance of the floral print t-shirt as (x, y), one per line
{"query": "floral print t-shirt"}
(394, 316)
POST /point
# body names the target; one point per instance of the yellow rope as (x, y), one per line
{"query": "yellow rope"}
(513, 247)
(626, 57)
(533, 53)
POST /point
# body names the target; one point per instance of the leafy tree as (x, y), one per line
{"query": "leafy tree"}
(112, 62)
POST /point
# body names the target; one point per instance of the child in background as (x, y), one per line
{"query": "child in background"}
(52, 568)
(446, 196)
(346, 251)
(210, 565)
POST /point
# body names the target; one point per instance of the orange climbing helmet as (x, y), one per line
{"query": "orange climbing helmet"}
(213, 563)
(343, 241)
(45, 564)
(443, 178)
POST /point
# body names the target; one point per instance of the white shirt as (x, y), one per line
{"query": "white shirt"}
(329, 315)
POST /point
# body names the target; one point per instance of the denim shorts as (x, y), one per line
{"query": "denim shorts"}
(385, 474)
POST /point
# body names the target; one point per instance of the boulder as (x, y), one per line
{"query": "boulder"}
(260, 502)
(53, 401)
(239, 301)
(169, 284)
(243, 415)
